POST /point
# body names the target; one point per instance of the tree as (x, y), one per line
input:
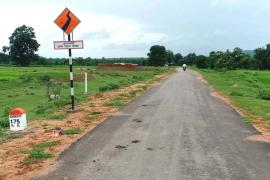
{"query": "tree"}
(170, 57)
(201, 61)
(157, 55)
(23, 45)
(178, 59)
(190, 58)
(5, 49)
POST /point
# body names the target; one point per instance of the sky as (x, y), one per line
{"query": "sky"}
(128, 28)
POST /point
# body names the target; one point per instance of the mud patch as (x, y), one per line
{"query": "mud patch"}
(258, 138)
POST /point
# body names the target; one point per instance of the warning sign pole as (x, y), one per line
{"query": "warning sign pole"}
(71, 77)
(67, 21)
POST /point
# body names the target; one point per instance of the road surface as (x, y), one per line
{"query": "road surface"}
(175, 131)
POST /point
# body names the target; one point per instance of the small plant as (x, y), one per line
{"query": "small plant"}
(90, 118)
(36, 155)
(248, 120)
(37, 152)
(103, 88)
(72, 131)
(95, 113)
(109, 87)
(45, 78)
(118, 102)
(7, 109)
(4, 123)
(46, 145)
(236, 93)
(25, 79)
(58, 116)
(264, 93)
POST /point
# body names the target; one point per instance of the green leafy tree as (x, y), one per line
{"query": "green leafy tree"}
(157, 55)
(190, 58)
(201, 61)
(262, 55)
(23, 45)
(178, 59)
(170, 57)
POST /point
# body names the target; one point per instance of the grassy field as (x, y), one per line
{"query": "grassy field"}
(249, 90)
(28, 87)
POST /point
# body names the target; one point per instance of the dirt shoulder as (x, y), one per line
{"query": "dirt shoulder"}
(88, 115)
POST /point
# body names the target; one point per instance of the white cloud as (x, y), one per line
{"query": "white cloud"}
(116, 30)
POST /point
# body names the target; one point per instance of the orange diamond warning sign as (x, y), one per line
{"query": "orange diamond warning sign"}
(67, 21)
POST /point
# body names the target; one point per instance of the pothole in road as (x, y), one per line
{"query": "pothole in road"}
(136, 141)
(120, 147)
(137, 120)
(150, 149)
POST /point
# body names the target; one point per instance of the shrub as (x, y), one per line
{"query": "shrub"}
(108, 87)
(45, 78)
(72, 131)
(114, 86)
(25, 79)
(264, 93)
(4, 123)
(236, 93)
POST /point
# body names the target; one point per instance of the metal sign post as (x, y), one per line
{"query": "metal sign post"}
(71, 77)
(67, 21)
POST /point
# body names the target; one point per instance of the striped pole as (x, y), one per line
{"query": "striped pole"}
(86, 87)
(71, 77)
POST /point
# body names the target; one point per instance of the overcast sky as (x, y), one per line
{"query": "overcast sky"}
(127, 28)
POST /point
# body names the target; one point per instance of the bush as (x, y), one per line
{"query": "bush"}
(72, 131)
(26, 79)
(4, 123)
(108, 87)
(45, 78)
(235, 93)
(264, 93)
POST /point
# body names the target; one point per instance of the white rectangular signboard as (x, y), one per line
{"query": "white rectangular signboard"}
(62, 45)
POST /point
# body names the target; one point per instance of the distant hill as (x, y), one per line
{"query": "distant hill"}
(249, 52)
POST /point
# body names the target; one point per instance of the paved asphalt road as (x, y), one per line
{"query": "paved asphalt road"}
(175, 131)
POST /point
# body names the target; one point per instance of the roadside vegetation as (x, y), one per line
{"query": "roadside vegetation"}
(31, 88)
(248, 89)
(37, 152)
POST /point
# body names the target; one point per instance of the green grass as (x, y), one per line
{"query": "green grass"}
(58, 116)
(247, 89)
(90, 118)
(72, 131)
(26, 87)
(46, 145)
(95, 113)
(37, 152)
(117, 102)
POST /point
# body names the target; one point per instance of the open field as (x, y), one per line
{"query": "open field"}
(247, 89)
(28, 87)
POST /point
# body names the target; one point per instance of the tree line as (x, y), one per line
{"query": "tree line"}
(23, 47)
(258, 59)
